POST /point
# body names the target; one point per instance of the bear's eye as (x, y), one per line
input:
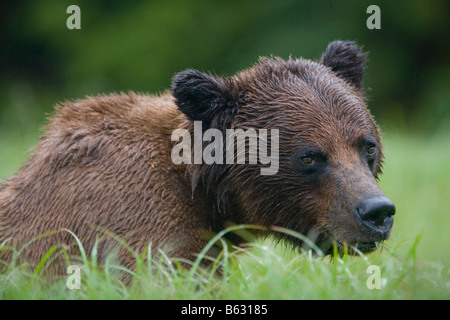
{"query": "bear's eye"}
(307, 160)
(371, 151)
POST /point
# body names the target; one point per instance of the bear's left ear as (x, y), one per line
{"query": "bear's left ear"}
(347, 60)
(201, 96)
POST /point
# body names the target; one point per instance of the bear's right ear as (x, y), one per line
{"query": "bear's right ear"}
(201, 96)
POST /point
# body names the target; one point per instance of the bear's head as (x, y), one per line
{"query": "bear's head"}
(329, 147)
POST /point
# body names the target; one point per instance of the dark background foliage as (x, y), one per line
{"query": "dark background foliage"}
(140, 45)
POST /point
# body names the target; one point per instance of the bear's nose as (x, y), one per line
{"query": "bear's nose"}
(376, 214)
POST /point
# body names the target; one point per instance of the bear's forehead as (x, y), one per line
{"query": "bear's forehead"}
(275, 70)
(298, 82)
(306, 101)
(303, 94)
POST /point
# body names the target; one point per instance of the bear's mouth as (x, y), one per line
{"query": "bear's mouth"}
(353, 247)
(365, 247)
(356, 248)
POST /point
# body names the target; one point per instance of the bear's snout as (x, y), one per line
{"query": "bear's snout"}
(377, 215)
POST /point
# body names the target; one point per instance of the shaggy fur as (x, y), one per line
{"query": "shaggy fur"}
(104, 163)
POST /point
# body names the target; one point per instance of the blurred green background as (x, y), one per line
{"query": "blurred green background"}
(140, 45)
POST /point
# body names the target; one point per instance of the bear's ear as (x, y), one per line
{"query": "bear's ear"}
(200, 96)
(347, 60)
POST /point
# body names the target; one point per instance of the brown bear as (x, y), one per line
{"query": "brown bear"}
(105, 164)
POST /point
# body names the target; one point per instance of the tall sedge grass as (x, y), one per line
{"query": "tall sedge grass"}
(263, 270)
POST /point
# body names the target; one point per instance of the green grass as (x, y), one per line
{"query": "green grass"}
(414, 263)
(260, 272)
